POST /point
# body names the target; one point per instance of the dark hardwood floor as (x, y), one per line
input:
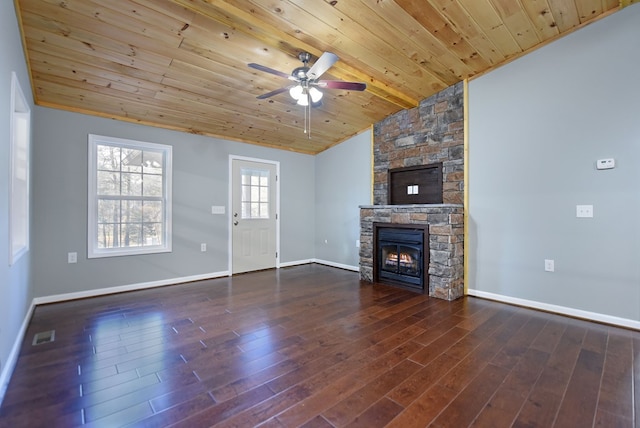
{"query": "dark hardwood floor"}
(312, 346)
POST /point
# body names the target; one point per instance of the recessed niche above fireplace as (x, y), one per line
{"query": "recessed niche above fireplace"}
(416, 185)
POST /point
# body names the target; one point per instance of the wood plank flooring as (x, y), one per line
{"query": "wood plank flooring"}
(311, 346)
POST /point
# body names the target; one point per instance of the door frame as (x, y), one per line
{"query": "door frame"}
(230, 205)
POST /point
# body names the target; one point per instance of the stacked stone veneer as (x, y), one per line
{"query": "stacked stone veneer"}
(446, 236)
(432, 132)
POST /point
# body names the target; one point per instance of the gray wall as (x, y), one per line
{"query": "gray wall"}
(15, 284)
(200, 180)
(342, 182)
(536, 128)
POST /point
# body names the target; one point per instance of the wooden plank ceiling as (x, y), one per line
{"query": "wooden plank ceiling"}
(182, 64)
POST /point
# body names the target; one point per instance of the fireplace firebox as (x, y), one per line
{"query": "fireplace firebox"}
(401, 255)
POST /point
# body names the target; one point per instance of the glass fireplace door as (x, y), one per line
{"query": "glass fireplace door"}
(399, 259)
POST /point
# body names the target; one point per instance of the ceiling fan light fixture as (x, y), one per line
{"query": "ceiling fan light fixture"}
(296, 92)
(304, 99)
(315, 94)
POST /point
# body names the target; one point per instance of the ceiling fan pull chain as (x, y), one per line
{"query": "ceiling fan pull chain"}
(305, 119)
(309, 110)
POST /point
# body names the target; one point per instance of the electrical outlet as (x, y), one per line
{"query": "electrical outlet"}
(357, 243)
(606, 163)
(549, 265)
(584, 211)
(203, 247)
(72, 258)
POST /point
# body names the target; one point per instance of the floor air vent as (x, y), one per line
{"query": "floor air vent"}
(44, 337)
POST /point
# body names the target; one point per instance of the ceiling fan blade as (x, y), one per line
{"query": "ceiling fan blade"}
(270, 70)
(322, 64)
(339, 84)
(276, 92)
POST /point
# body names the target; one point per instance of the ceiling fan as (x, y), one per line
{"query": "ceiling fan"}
(307, 81)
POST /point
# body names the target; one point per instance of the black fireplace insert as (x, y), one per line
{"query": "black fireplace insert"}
(401, 255)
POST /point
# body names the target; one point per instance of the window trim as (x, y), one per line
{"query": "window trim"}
(19, 107)
(92, 201)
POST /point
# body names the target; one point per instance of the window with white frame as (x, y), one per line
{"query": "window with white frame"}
(20, 127)
(255, 193)
(129, 197)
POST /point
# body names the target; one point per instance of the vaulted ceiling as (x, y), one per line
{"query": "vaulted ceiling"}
(182, 64)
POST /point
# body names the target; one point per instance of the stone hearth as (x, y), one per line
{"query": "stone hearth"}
(446, 234)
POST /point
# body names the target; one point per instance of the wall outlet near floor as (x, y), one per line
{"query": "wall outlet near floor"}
(549, 265)
(357, 243)
(203, 247)
(584, 211)
(72, 258)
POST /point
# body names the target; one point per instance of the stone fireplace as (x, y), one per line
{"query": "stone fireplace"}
(430, 134)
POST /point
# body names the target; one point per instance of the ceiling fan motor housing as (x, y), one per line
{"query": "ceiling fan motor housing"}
(304, 57)
(300, 73)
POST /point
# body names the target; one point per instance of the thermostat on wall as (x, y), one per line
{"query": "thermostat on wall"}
(605, 163)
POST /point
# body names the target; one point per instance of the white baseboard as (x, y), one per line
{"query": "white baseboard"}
(10, 364)
(337, 265)
(320, 262)
(122, 288)
(563, 310)
(295, 263)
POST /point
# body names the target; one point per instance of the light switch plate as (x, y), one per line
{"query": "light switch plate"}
(217, 209)
(412, 189)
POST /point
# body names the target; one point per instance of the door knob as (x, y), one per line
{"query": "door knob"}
(235, 223)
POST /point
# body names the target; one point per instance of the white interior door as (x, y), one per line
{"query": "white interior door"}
(254, 215)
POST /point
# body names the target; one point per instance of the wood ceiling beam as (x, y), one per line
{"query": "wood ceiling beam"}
(276, 38)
